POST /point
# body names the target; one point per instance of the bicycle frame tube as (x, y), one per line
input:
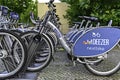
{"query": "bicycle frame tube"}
(60, 37)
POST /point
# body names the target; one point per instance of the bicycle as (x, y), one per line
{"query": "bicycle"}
(37, 63)
(12, 49)
(42, 58)
(93, 51)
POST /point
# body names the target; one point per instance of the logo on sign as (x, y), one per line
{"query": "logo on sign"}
(96, 34)
(96, 40)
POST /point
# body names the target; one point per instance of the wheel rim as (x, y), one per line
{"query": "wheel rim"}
(9, 65)
(109, 65)
(42, 57)
(43, 54)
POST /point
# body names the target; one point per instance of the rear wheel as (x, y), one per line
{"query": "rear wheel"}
(106, 64)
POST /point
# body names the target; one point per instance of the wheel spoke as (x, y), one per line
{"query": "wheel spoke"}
(13, 54)
(110, 63)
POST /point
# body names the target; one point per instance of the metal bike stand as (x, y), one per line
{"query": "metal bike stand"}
(25, 76)
(28, 75)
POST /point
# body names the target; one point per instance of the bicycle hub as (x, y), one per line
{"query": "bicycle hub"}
(3, 54)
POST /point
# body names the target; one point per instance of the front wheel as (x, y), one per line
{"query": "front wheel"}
(107, 64)
(12, 54)
(43, 53)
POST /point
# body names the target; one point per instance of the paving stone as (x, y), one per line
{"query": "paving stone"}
(62, 69)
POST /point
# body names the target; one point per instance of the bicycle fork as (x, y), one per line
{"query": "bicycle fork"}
(31, 50)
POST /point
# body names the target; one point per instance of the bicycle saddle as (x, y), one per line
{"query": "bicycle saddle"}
(4, 10)
(14, 15)
(89, 18)
(77, 23)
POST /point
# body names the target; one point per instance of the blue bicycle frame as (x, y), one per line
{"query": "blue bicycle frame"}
(94, 42)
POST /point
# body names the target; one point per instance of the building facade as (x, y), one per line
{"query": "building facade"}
(61, 10)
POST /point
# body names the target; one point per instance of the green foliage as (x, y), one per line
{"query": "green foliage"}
(22, 7)
(105, 10)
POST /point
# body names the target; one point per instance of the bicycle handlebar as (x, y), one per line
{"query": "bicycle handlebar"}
(51, 5)
(32, 18)
(51, 1)
(33, 21)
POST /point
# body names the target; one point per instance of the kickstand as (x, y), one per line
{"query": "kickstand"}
(74, 63)
(53, 58)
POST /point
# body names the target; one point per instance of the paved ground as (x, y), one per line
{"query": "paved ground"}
(63, 69)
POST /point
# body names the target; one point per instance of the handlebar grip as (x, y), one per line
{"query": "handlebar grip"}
(54, 10)
(54, 5)
(56, 15)
(82, 17)
(32, 15)
(60, 23)
(51, 1)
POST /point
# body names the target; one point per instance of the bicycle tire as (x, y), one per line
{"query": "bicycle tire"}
(18, 32)
(10, 58)
(36, 61)
(108, 66)
(53, 38)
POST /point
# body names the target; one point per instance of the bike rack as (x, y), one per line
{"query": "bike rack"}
(25, 75)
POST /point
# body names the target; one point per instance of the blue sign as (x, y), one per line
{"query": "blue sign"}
(96, 42)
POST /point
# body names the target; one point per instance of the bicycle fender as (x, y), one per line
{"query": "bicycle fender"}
(96, 42)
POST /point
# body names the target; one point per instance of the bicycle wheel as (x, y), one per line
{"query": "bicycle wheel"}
(12, 56)
(105, 65)
(53, 38)
(18, 32)
(27, 36)
(43, 52)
